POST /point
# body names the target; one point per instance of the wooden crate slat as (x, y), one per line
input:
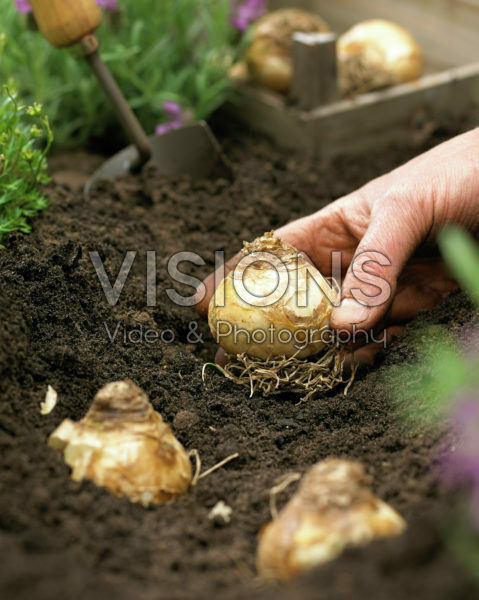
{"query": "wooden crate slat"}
(315, 73)
(448, 31)
(369, 121)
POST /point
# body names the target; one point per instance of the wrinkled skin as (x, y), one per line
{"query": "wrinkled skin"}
(398, 215)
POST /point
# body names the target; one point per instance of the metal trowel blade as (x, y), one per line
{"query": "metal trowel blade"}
(190, 150)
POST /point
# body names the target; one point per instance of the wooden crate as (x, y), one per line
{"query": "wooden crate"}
(448, 33)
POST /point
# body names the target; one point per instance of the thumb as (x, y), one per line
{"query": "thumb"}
(371, 280)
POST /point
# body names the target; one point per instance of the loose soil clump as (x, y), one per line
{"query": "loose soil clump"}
(59, 538)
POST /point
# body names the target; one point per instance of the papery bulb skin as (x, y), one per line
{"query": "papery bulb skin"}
(124, 445)
(333, 508)
(270, 64)
(377, 53)
(280, 25)
(239, 72)
(246, 316)
(269, 57)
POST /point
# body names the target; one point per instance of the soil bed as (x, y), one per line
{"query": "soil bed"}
(64, 539)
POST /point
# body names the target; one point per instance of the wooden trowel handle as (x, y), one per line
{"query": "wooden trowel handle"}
(65, 22)
(68, 22)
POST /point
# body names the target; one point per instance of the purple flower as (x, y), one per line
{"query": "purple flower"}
(460, 467)
(177, 116)
(173, 110)
(165, 127)
(23, 6)
(244, 13)
(107, 4)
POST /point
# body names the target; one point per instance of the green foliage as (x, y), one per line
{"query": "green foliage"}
(23, 130)
(443, 384)
(462, 255)
(426, 390)
(443, 369)
(463, 542)
(178, 50)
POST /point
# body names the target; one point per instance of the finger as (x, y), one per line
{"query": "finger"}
(317, 235)
(357, 337)
(299, 233)
(410, 300)
(397, 227)
(339, 226)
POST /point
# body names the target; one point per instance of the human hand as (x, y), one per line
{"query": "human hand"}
(389, 227)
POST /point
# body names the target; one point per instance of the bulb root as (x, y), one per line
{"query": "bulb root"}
(310, 377)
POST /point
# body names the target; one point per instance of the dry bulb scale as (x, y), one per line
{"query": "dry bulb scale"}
(268, 60)
(371, 55)
(124, 445)
(334, 508)
(271, 316)
(376, 54)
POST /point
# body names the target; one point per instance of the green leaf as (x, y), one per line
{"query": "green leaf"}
(25, 138)
(173, 47)
(461, 253)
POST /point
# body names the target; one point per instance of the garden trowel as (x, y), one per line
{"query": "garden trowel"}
(188, 150)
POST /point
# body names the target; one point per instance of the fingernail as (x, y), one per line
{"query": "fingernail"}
(349, 312)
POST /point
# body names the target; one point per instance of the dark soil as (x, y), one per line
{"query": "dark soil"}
(61, 539)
